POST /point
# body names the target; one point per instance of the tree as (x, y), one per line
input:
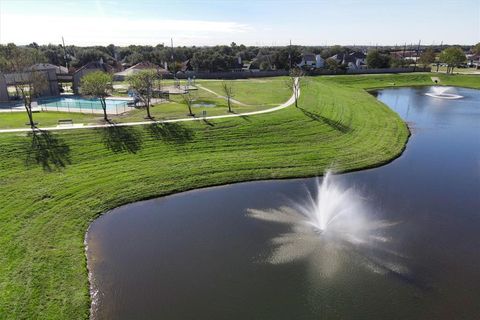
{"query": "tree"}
(98, 85)
(227, 88)
(293, 82)
(376, 60)
(332, 64)
(188, 97)
(284, 58)
(144, 83)
(453, 57)
(85, 56)
(427, 57)
(29, 84)
(398, 62)
(265, 65)
(476, 49)
(331, 51)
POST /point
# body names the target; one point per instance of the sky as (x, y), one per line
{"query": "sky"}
(260, 22)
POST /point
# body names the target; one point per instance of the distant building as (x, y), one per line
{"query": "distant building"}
(473, 61)
(48, 66)
(411, 55)
(16, 78)
(120, 76)
(353, 60)
(311, 61)
(186, 66)
(86, 69)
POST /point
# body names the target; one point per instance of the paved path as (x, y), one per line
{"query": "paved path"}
(223, 97)
(125, 124)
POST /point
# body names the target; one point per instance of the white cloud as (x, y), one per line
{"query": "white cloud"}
(91, 30)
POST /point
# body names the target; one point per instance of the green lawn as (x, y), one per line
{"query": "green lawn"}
(456, 70)
(261, 91)
(53, 185)
(46, 119)
(258, 94)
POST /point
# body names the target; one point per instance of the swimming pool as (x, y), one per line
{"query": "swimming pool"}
(84, 105)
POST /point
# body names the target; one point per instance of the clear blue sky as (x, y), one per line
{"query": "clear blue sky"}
(123, 22)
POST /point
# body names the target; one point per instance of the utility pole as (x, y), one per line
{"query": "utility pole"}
(290, 55)
(64, 53)
(438, 61)
(416, 56)
(173, 61)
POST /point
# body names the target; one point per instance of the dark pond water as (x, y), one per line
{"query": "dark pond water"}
(200, 255)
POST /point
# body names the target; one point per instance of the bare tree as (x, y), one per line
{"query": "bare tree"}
(188, 97)
(227, 88)
(29, 83)
(294, 81)
(144, 84)
(98, 84)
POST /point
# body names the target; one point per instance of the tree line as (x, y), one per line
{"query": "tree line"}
(216, 58)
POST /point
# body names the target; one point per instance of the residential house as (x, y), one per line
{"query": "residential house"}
(86, 69)
(122, 75)
(473, 61)
(311, 61)
(353, 60)
(48, 66)
(186, 66)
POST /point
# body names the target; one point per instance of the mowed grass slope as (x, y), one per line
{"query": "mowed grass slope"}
(44, 214)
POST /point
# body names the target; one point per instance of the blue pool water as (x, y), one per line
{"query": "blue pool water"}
(78, 104)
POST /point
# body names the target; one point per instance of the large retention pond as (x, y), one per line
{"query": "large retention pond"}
(405, 244)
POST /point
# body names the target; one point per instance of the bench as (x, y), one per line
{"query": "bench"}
(65, 122)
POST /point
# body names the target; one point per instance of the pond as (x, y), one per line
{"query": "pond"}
(407, 246)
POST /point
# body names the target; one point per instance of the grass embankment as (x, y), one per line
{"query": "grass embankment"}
(44, 215)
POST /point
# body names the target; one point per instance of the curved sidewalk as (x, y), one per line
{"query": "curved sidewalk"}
(125, 124)
(223, 97)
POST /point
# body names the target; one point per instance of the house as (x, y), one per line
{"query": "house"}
(16, 78)
(353, 60)
(238, 65)
(311, 61)
(48, 66)
(86, 69)
(409, 55)
(122, 75)
(186, 66)
(473, 61)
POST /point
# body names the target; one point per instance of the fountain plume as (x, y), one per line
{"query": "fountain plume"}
(443, 93)
(332, 228)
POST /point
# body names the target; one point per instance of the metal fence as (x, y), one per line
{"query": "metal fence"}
(93, 107)
(86, 107)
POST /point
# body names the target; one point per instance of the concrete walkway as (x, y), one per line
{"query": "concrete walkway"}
(223, 97)
(127, 124)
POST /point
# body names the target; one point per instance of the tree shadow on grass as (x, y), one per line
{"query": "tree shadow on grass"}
(122, 138)
(333, 124)
(246, 118)
(170, 132)
(47, 150)
(209, 123)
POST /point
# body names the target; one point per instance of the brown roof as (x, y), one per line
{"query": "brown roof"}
(142, 66)
(97, 65)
